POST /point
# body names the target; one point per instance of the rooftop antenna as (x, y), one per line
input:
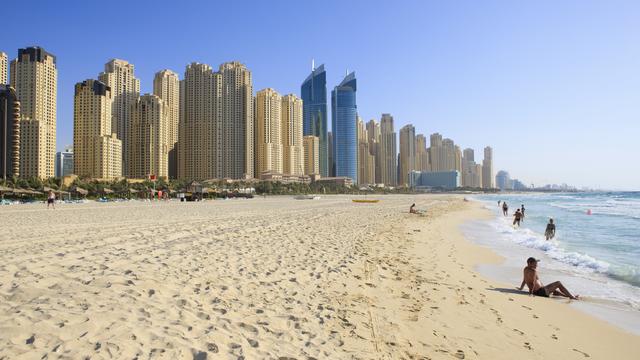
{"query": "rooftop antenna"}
(313, 64)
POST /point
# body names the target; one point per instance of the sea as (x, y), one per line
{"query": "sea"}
(595, 253)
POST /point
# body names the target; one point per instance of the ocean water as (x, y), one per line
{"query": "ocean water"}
(596, 251)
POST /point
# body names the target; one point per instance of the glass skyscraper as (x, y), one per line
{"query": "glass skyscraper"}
(344, 127)
(314, 102)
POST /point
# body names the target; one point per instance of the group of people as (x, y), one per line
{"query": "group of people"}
(518, 217)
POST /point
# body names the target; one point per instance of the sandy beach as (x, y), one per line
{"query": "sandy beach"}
(273, 278)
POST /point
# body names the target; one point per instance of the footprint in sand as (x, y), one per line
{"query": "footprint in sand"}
(582, 352)
(459, 354)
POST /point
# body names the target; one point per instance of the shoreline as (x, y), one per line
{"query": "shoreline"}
(544, 328)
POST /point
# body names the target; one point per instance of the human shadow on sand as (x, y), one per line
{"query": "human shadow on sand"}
(509, 291)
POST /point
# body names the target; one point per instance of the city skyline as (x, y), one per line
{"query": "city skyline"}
(480, 92)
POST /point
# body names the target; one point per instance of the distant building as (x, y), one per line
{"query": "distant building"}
(518, 185)
(343, 124)
(311, 155)
(314, 101)
(337, 180)
(422, 155)
(34, 76)
(503, 180)
(119, 77)
(284, 178)
(292, 147)
(487, 169)
(471, 172)
(440, 179)
(149, 141)
(407, 161)
(97, 149)
(268, 117)
(386, 165)
(4, 64)
(216, 128)
(64, 162)
(9, 132)
(330, 153)
(166, 85)
(366, 161)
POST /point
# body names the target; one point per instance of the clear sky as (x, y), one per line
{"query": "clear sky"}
(552, 86)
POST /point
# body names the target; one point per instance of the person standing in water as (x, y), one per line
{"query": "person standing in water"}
(550, 232)
(517, 217)
(522, 211)
(505, 208)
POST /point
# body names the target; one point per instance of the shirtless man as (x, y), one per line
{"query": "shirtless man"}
(535, 285)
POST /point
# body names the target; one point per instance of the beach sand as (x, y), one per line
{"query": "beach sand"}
(272, 278)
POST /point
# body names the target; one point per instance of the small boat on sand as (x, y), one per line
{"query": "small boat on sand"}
(365, 200)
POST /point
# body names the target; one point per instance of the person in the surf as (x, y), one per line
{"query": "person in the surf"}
(517, 217)
(505, 208)
(522, 211)
(530, 277)
(550, 232)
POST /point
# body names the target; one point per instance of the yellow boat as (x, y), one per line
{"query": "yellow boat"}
(365, 200)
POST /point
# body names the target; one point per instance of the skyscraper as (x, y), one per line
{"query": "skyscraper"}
(444, 154)
(292, 124)
(97, 149)
(9, 132)
(366, 161)
(487, 168)
(373, 134)
(34, 76)
(237, 121)
(4, 66)
(422, 156)
(119, 76)
(471, 177)
(166, 85)
(407, 153)
(268, 116)
(387, 157)
(343, 125)
(216, 129)
(330, 153)
(311, 155)
(149, 141)
(314, 99)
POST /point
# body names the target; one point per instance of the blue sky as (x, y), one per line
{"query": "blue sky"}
(552, 86)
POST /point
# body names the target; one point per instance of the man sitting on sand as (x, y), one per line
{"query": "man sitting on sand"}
(535, 285)
(412, 209)
(550, 232)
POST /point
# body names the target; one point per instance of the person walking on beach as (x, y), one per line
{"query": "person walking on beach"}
(517, 217)
(51, 199)
(505, 208)
(550, 231)
(530, 277)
